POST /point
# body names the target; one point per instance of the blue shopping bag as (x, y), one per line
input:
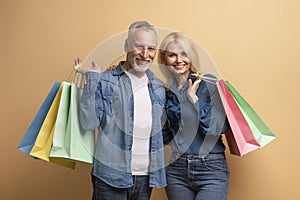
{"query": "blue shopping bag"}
(31, 134)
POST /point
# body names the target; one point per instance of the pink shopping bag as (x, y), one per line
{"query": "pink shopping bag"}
(240, 138)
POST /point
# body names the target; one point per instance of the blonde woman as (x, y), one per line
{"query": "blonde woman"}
(196, 120)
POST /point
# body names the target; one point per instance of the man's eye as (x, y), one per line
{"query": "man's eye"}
(140, 47)
(152, 49)
(172, 55)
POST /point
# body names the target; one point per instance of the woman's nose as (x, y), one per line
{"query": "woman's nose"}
(179, 58)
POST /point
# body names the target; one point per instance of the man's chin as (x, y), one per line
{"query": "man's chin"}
(140, 68)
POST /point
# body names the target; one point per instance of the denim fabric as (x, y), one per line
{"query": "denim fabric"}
(107, 103)
(195, 128)
(198, 177)
(139, 191)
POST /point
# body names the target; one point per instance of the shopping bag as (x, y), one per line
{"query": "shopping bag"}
(240, 138)
(31, 134)
(261, 131)
(61, 144)
(43, 143)
(70, 140)
(82, 141)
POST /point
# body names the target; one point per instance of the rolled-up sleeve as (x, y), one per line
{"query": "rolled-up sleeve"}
(90, 100)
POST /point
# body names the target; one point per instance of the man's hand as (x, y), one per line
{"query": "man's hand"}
(80, 79)
(83, 69)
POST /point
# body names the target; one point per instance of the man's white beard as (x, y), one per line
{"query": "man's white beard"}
(140, 68)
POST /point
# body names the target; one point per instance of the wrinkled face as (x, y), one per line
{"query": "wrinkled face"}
(141, 49)
(177, 60)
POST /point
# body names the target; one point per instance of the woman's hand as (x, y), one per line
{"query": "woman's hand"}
(113, 67)
(191, 92)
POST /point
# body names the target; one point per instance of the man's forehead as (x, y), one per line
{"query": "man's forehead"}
(144, 29)
(144, 43)
(143, 34)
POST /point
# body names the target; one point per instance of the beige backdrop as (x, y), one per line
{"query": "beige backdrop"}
(255, 45)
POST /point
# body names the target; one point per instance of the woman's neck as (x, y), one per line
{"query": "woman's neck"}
(181, 79)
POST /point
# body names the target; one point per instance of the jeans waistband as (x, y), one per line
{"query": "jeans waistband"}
(195, 157)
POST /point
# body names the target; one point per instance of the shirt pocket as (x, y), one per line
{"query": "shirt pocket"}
(112, 105)
(159, 116)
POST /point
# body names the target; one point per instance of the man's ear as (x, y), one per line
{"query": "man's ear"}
(126, 47)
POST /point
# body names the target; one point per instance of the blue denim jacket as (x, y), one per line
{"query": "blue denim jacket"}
(107, 103)
(195, 129)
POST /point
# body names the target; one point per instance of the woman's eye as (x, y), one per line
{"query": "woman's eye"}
(184, 54)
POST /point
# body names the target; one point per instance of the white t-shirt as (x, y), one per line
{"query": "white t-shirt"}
(142, 125)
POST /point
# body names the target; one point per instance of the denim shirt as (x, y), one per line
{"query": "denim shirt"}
(195, 129)
(107, 103)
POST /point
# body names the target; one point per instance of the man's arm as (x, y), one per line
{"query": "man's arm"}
(89, 114)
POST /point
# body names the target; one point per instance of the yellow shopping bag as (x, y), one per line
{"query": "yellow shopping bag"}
(42, 146)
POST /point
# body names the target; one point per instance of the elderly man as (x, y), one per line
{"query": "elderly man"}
(127, 106)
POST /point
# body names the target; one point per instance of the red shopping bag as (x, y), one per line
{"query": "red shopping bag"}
(240, 138)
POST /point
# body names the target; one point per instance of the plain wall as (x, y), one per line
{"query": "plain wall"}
(255, 45)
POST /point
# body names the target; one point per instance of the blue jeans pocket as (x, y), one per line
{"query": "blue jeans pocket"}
(215, 164)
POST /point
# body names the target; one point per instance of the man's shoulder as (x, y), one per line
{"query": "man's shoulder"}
(153, 79)
(109, 75)
(157, 82)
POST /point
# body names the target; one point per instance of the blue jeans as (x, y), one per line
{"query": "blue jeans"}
(139, 191)
(196, 177)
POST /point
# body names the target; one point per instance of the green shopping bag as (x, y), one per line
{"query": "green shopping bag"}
(261, 132)
(82, 142)
(70, 140)
(61, 143)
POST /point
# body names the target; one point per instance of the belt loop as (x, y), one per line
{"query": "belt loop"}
(203, 158)
(134, 182)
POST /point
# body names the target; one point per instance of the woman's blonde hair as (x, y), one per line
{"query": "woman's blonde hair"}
(189, 48)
